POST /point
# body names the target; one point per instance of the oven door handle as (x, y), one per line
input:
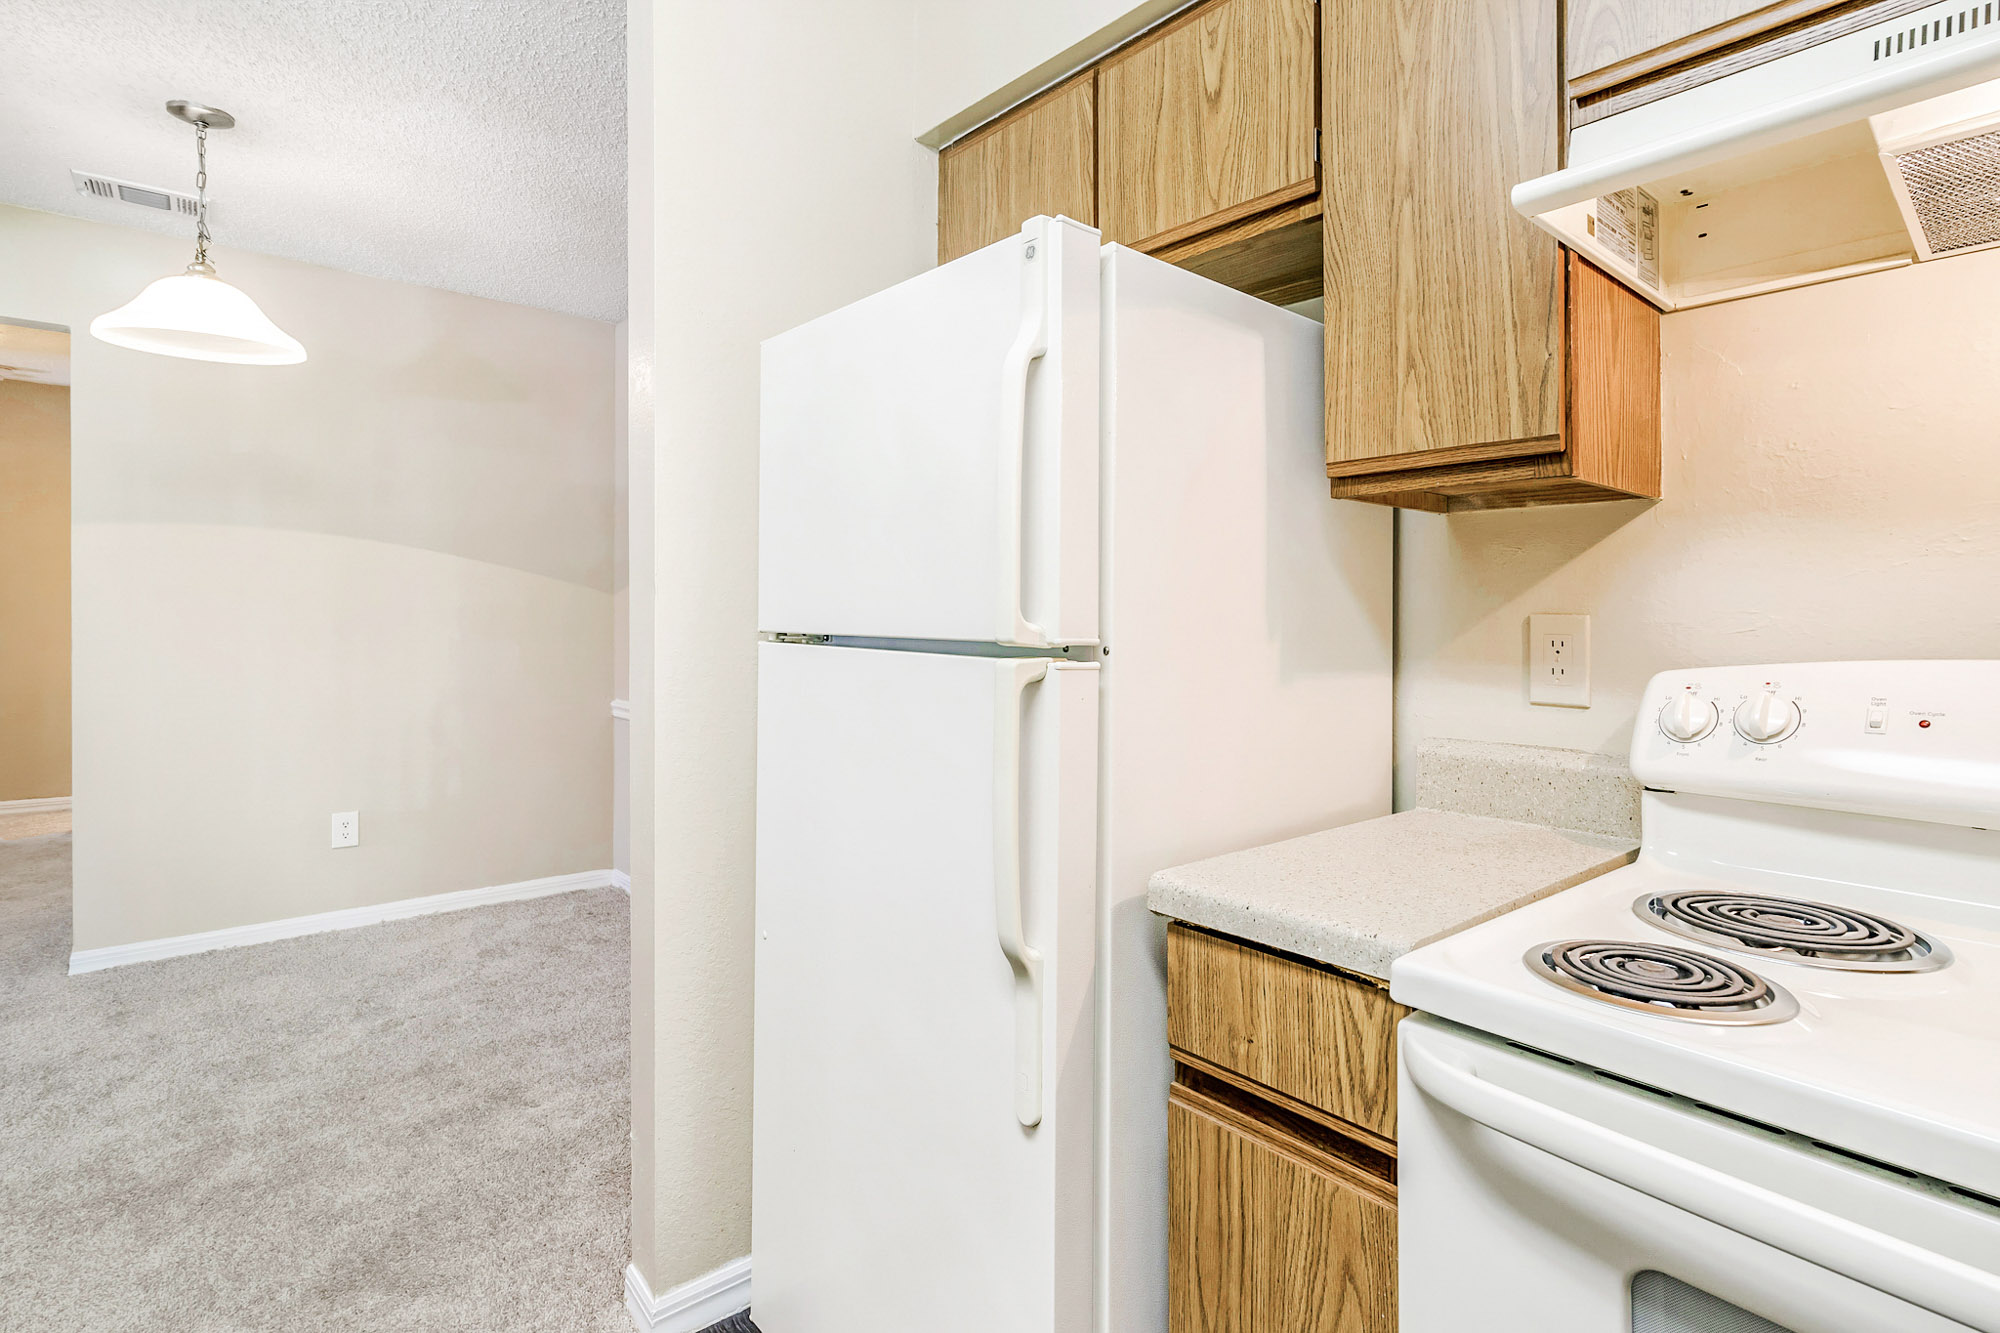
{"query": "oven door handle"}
(1933, 1282)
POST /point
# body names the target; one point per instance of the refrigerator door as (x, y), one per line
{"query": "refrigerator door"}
(926, 835)
(929, 455)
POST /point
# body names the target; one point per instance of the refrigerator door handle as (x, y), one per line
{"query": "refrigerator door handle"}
(1031, 343)
(1012, 678)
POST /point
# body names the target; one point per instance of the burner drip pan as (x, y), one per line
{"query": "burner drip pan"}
(1661, 980)
(1793, 930)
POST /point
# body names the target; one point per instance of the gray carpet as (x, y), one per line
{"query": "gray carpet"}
(416, 1126)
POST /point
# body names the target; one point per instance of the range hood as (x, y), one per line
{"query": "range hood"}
(1872, 150)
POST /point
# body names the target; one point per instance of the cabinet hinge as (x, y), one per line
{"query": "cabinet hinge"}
(1315, 145)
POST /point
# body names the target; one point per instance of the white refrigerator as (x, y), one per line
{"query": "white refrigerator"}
(1051, 596)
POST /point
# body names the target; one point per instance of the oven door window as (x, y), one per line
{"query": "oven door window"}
(1663, 1304)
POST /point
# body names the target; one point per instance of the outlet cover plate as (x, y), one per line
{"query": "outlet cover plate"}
(347, 828)
(1559, 660)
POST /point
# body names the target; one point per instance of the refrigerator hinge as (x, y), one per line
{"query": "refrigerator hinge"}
(801, 638)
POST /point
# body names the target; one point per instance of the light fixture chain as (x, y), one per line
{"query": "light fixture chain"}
(201, 192)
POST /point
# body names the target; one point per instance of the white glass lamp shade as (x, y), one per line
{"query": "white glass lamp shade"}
(201, 317)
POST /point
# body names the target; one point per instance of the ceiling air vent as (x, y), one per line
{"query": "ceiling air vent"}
(131, 192)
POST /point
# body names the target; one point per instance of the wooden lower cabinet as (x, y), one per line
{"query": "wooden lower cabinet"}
(1305, 1036)
(1265, 1235)
(1281, 1207)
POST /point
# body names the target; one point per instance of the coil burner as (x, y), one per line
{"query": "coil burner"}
(1661, 980)
(1793, 930)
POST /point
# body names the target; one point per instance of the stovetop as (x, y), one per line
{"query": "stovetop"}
(1864, 1014)
(1903, 1067)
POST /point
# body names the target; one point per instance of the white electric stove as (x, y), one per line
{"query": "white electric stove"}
(1752, 1081)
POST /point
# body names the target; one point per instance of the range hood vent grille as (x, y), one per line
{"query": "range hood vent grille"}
(1919, 38)
(1818, 164)
(132, 192)
(1954, 190)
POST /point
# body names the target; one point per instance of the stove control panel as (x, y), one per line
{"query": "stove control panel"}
(1913, 740)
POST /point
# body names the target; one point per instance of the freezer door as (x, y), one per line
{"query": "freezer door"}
(925, 932)
(929, 455)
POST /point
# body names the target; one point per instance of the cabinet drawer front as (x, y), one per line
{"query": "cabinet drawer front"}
(1260, 1240)
(1206, 120)
(1309, 1032)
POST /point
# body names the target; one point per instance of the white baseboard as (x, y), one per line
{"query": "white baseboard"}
(146, 951)
(37, 805)
(621, 880)
(692, 1306)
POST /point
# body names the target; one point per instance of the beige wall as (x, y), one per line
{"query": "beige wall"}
(727, 251)
(621, 596)
(34, 590)
(380, 581)
(979, 58)
(1832, 487)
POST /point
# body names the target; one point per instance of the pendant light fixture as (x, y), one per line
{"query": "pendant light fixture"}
(195, 314)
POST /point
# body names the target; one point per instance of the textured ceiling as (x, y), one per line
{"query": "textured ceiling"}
(30, 352)
(474, 145)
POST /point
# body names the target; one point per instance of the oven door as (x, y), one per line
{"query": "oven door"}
(1538, 1195)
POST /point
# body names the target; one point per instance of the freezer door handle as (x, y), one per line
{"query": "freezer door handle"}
(1031, 343)
(1910, 1273)
(1012, 677)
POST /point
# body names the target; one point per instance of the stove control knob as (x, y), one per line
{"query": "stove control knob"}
(1687, 719)
(1765, 719)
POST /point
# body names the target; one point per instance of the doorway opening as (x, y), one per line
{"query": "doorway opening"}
(34, 582)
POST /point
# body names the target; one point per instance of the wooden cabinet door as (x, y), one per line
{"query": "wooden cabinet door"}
(1267, 1236)
(1608, 32)
(1207, 121)
(1619, 54)
(1443, 305)
(1041, 158)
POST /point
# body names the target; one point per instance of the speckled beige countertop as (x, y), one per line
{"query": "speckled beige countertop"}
(1362, 895)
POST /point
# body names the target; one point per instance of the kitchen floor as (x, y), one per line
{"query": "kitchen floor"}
(415, 1126)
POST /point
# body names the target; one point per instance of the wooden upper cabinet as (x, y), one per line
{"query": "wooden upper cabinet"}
(1603, 33)
(1444, 307)
(1208, 120)
(1039, 158)
(1621, 54)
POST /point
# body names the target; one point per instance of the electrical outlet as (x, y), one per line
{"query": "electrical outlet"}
(347, 828)
(1559, 661)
